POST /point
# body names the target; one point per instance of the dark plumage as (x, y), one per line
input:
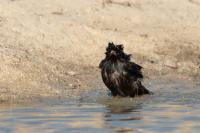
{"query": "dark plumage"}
(120, 75)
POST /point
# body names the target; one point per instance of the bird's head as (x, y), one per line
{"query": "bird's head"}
(115, 52)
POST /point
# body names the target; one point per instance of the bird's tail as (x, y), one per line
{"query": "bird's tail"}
(139, 89)
(145, 91)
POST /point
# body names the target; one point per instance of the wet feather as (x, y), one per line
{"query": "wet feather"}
(121, 76)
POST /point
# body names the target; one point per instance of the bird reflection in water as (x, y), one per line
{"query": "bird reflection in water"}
(119, 117)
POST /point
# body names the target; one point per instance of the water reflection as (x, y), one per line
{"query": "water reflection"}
(176, 110)
(118, 118)
(121, 109)
(121, 113)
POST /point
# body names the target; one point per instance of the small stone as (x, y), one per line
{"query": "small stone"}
(71, 73)
(151, 61)
(57, 92)
(70, 85)
(171, 63)
(144, 35)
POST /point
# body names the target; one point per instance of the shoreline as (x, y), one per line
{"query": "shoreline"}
(80, 82)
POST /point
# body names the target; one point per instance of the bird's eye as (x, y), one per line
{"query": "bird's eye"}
(120, 47)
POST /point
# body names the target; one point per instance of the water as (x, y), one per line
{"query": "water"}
(174, 107)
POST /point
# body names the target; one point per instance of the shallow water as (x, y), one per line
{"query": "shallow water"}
(174, 107)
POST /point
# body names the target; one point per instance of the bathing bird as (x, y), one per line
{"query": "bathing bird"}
(121, 76)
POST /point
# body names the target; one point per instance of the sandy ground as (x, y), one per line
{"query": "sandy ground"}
(52, 48)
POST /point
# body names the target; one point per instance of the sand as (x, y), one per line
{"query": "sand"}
(53, 48)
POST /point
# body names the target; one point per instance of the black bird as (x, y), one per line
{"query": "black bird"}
(120, 75)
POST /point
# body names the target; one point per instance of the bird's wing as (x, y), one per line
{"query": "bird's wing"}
(101, 63)
(134, 69)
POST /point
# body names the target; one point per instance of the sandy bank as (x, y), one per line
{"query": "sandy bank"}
(52, 48)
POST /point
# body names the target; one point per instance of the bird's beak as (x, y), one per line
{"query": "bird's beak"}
(113, 52)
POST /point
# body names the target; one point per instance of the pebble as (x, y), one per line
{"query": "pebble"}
(71, 73)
